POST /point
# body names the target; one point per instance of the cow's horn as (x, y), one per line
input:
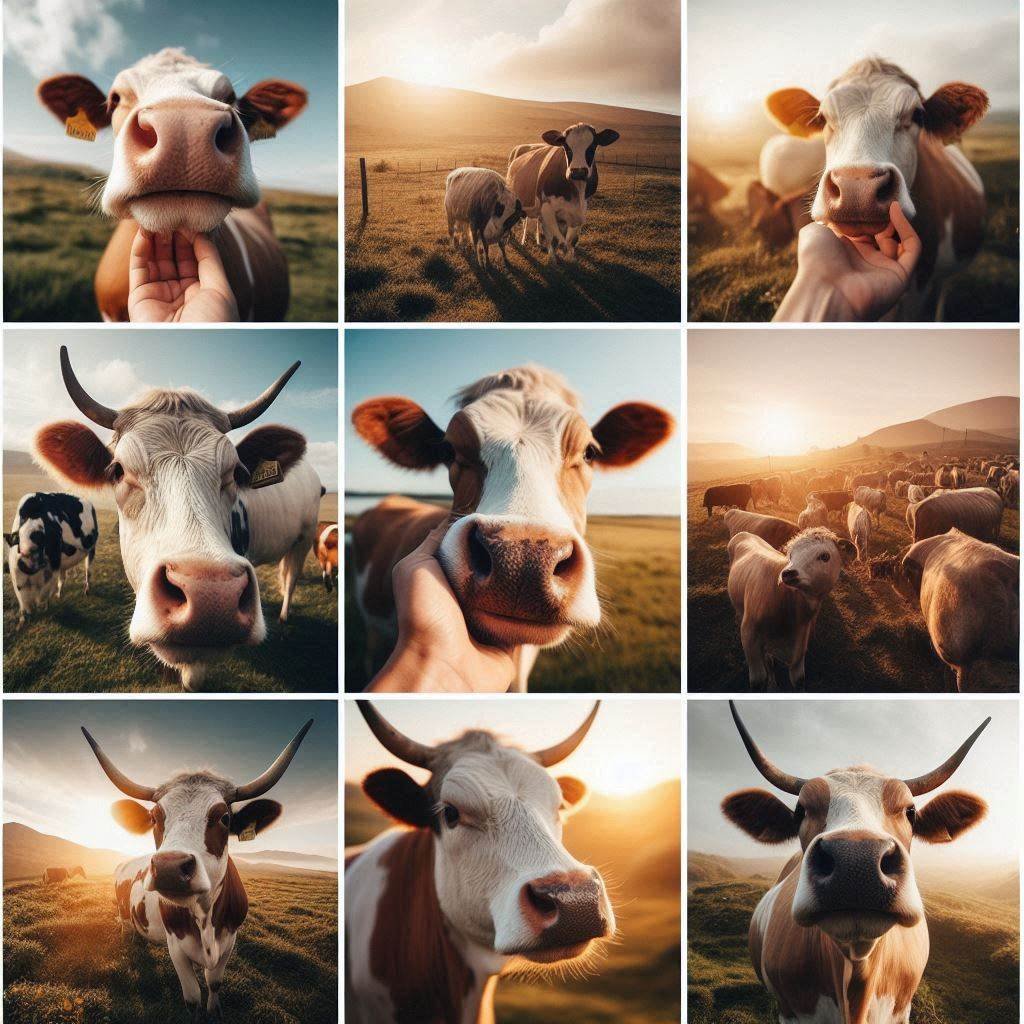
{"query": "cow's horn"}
(240, 417)
(100, 414)
(117, 777)
(404, 748)
(926, 783)
(560, 751)
(776, 776)
(272, 776)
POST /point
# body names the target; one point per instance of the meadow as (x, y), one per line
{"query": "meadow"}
(735, 277)
(866, 638)
(637, 646)
(52, 244)
(65, 961)
(80, 643)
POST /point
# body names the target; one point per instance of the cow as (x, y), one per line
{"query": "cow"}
(944, 476)
(327, 552)
(865, 480)
(902, 488)
(871, 499)
(918, 492)
(815, 514)
(897, 476)
(974, 510)
(54, 876)
(50, 534)
(554, 182)
(181, 162)
(770, 528)
(925, 479)
(178, 483)
(842, 936)
(1009, 488)
(758, 492)
(885, 142)
(858, 525)
(477, 201)
(189, 895)
(520, 460)
(834, 501)
(994, 475)
(779, 203)
(777, 597)
(968, 593)
(703, 191)
(435, 911)
(727, 496)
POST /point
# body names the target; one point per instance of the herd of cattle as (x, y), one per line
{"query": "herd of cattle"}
(966, 587)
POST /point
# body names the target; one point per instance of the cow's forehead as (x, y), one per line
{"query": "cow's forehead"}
(579, 135)
(483, 779)
(511, 417)
(192, 793)
(151, 439)
(870, 93)
(172, 72)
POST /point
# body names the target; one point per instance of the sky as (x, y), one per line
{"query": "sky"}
(230, 368)
(603, 366)
(53, 783)
(248, 40)
(610, 759)
(903, 738)
(784, 392)
(599, 51)
(736, 60)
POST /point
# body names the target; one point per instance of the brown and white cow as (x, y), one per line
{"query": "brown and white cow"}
(189, 894)
(520, 460)
(477, 883)
(885, 142)
(56, 875)
(554, 181)
(181, 163)
(326, 551)
(841, 937)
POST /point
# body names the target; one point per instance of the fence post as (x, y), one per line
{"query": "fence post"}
(362, 185)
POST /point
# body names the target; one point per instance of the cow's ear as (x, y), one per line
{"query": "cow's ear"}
(401, 431)
(847, 550)
(553, 138)
(257, 814)
(74, 453)
(630, 431)
(399, 796)
(607, 137)
(271, 442)
(762, 815)
(270, 105)
(796, 111)
(953, 108)
(12, 539)
(947, 816)
(575, 793)
(132, 817)
(66, 95)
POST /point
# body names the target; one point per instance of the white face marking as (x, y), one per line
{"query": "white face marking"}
(579, 140)
(817, 562)
(186, 807)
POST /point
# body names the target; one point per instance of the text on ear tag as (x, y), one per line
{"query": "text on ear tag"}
(247, 833)
(80, 127)
(267, 472)
(261, 129)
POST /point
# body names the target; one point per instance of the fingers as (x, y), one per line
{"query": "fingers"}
(432, 542)
(140, 261)
(210, 268)
(185, 255)
(910, 241)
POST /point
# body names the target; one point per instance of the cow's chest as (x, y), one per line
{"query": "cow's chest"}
(569, 212)
(204, 947)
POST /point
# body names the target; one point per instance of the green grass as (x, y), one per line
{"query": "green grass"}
(65, 961)
(866, 638)
(971, 977)
(637, 646)
(52, 244)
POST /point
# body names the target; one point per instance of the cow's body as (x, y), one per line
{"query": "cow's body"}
(54, 876)
(478, 203)
(327, 551)
(727, 496)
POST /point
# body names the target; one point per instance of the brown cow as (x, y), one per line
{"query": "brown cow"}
(326, 550)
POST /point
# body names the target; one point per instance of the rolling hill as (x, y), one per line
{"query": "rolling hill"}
(997, 415)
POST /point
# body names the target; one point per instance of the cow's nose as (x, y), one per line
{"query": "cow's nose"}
(204, 603)
(860, 193)
(565, 908)
(173, 872)
(196, 135)
(790, 575)
(579, 173)
(856, 872)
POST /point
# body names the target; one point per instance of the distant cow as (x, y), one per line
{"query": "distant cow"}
(918, 492)
(858, 523)
(815, 514)
(703, 191)
(779, 203)
(896, 476)
(56, 875)
(872, 499)
(977, 511)
(994, 475)
(50, 534)
(944, 476)
(865, 480)
(901, 488)
(778, 532)
(477, 202)
(924, 479)
(1009, 488)
(727, 496)
(326, 550)
(834, 501)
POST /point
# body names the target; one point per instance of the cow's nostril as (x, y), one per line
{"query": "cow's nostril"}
(479, 555)
(831, 187)
(226, 139)
(541, 901)
(143, 133)
(886, 191)
(188, 867)
(822, 862)
(892, 862)
(565, 559)
(247, 600)
(171, 593)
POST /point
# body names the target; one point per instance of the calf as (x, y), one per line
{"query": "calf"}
(476, 200)
(944, 476)
(728, 496)
(865, 480)
(181, 163)
(50, 534)
(326, 551)
(975, 510)
(993, 475)
(858, 523)
(770, 528)
(871, 499)
(777, 597)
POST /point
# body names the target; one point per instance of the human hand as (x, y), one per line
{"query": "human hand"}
(178, 278)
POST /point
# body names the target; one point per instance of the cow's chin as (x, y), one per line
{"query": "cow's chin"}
(856, 928)
(862, 230)
(556, 954)
(164, 212)
(498, 630)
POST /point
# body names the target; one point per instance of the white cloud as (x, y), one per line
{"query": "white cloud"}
(314, 398)
(137, 742)
(323, 456)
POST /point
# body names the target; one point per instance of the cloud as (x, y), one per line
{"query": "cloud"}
(323, 456)
(315, 398)
(137, 742)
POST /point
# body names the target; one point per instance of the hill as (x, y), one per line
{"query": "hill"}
(28, 853)
(915, 433)
(287, 859)
(998, 415)
(707, 450)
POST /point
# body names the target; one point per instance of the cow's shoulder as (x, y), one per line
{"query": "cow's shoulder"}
(232, 904)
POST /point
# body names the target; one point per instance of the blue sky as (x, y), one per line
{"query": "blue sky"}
(248, 41)
(606, 367)
(68, 795)
(229, 367)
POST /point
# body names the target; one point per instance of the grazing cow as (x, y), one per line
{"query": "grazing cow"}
(1009, 488)
(181, 163)
(944, 476)
(520, 460)
(56, 875)
(834, 501)
(553, 183)
(476, 200)
(196, 513)
(777, 596)
(327, 551)
(994, 475)
(50, 534)
(773, 489)
(434, 912)
(918, 492)
(815, 514)
(779, 203)
(969, 594)
(728, 496)
(758, 492)
(896, 476)
(778, 532)
(871, 499)
(841, 936)
(865, 480)
(189, 895)
(858, 523)
(902, 489)
(974, 510)
(885, 142)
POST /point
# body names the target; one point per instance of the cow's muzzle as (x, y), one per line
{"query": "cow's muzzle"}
(173, 874)
(566, 911)
(857, 198)
(579, 173)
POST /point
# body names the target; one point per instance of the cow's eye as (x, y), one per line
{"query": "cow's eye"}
(116, 472)
(911, 814)
(225, 820)
(451, 815)
(590, 453)
(918, 116)
(824, 556)
(114, 101)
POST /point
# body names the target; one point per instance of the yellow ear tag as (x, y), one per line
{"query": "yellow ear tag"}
(248, 833)
(267, 472)
(261, 129)
(80, 127)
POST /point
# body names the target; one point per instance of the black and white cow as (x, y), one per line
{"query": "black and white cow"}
(50, 534)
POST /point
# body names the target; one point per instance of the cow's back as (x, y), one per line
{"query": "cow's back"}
(536, 173)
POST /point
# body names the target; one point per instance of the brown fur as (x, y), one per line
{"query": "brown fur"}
(74, 451)
(271, 442)
(232, 904)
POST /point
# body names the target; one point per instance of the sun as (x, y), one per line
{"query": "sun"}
(778, 430)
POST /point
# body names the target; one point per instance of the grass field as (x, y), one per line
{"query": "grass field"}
(65, 961)
(637, 646)
(736, 278)
(971, 978)
(52, 244)
(80, 644)
(866, 638)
